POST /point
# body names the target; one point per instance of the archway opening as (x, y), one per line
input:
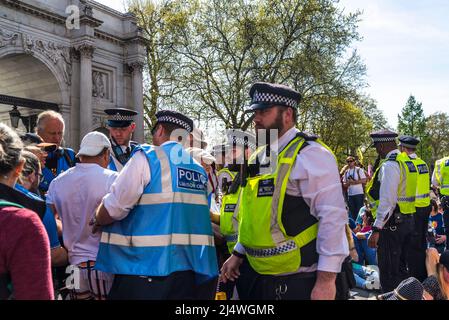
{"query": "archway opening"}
(24, 76)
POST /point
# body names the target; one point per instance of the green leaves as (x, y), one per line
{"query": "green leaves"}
(203, 57)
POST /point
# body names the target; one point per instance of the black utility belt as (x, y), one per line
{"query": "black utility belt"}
(397, 218)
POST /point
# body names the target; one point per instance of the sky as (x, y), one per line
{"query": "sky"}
(405, 48)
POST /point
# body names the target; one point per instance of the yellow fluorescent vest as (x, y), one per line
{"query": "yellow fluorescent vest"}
(442, 175)
(229, 218)
(268, 248)
(406, 189)
(422, 184)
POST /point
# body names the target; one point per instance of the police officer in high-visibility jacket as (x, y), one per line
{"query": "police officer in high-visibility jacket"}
(292, 211)
(241, 144)
(440, 180)
(121, 125)
(416, 259)
(158, 240)
(391, 194)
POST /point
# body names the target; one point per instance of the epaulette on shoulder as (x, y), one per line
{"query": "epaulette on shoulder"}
(307, 136)
(393, 157)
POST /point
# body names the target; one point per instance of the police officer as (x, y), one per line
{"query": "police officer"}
(219, 152)
(238, 141)
(440, 180)
(292, 214)
(240, 146)
(159, 239)
(418, 243)
(121, 126)
(50, 127)
(391, 194)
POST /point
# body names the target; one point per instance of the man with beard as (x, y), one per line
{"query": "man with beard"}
(121, 126)
(292, 225)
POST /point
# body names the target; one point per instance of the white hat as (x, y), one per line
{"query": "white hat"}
(93, 143)
(200, 154)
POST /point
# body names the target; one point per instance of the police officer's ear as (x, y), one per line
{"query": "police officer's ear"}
(132, 126)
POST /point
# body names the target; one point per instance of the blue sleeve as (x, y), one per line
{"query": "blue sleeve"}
(50, 226)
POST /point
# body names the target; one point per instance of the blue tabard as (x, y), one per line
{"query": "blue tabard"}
(169, 229)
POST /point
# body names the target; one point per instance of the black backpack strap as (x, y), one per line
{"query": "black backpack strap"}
(67, 158)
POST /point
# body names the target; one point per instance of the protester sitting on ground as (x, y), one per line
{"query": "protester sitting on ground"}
(408, 289)
(75, 195)
(24, 248)
(366, 254)
(436, 236)
(28, 183)
(438, 272)
(366, 277)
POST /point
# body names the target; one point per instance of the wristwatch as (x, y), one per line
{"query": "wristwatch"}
(238, 254)
(376, 229)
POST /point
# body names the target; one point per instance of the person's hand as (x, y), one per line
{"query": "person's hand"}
(230, 269)
(95, 226)
(360, 235)
(373, 239)
(439, 239)
(324, 288)
(353, 253)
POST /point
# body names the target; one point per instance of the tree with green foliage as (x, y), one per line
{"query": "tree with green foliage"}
(203, 57)
(437, 131)
(412, 122)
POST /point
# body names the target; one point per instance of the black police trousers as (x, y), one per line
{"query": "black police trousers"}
(416, 258)
(392, 251)
(255, 286)
(180, 285)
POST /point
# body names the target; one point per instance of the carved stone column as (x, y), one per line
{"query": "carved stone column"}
(86, 53)
(138, 99)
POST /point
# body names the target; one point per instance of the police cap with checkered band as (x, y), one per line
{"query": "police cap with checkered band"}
(176, 118)
(266, 95)
(120, 117)
(383, 136)
(241, 138)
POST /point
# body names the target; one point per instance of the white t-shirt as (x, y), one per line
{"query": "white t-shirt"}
(76, 195)
(355, 173)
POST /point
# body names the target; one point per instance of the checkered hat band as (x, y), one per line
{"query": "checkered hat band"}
(261, 97)
(383, 139)
(176, 121)
(287, 247)
(240, 141)
(119, 117)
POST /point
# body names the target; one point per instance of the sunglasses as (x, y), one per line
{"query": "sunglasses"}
(349, 161)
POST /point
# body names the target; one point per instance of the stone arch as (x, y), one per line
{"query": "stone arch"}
(64, 88)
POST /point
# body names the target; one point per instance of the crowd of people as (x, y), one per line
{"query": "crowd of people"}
(249, 220)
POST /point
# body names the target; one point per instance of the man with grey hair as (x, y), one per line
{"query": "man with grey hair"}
(50, 127)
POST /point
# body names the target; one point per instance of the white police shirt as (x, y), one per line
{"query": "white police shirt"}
(315, 177)
(389, 177)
